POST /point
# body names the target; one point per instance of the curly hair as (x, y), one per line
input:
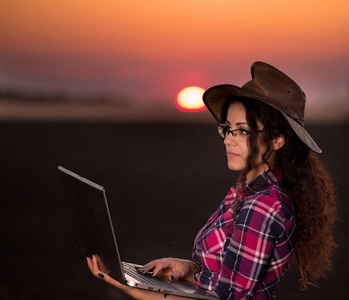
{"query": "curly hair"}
(305, 180)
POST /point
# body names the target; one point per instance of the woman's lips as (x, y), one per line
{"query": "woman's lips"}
(232, 154)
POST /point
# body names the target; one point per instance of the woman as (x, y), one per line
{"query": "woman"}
(283, 202)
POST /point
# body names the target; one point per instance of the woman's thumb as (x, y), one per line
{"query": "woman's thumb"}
(174, 276)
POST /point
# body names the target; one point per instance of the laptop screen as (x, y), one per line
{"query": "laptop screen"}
(91, 222)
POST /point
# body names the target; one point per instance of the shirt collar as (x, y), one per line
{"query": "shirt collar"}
(266, 178)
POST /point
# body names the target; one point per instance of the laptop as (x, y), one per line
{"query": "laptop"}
(94, 235)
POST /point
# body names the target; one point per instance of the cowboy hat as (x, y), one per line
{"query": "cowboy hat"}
(272, 87)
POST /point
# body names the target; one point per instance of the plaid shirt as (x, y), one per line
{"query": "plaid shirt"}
(247, 259)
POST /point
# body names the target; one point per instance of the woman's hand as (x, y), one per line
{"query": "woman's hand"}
(177, 264)
(172, 269)
(94, 268)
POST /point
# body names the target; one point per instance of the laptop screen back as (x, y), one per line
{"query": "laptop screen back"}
(91, 222)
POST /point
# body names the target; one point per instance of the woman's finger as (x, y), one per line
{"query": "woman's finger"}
(111, 281)
(175, 275)
(149, 266)
(93, 265)
(163, 267)
(89, 264)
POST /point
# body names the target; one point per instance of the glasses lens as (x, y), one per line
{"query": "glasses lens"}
(239, 134)
(222, 130)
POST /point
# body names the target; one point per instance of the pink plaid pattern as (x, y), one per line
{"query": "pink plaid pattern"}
(247, 259)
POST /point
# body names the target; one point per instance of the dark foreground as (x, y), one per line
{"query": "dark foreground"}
(162, 180)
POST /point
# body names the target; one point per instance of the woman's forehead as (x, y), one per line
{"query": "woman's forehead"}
(236, 114)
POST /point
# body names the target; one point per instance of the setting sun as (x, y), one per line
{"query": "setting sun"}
(190, 99)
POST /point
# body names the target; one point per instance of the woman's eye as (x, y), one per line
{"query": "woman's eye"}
(243, 132)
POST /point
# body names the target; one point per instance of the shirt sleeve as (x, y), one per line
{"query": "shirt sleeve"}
(257, 230)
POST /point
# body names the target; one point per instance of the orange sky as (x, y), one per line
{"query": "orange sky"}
(151, 49)
(167, 29)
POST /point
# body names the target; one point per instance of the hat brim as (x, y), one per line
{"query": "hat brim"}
(215, 97)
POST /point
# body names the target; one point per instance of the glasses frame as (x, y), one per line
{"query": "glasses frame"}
(225, 127)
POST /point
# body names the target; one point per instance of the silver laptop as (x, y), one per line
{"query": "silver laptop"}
(94, 234)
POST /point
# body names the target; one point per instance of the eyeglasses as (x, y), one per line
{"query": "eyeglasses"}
(239, 134)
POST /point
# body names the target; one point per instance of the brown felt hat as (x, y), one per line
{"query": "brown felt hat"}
(271, 86)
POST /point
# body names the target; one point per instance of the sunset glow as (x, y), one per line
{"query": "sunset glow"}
(147, 51)
(190, 99)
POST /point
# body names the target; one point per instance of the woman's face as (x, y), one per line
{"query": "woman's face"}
(237, 151)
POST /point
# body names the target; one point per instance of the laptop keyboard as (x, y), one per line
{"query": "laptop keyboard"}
(130, 270)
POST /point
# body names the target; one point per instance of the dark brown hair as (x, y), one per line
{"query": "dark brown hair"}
(305, 180)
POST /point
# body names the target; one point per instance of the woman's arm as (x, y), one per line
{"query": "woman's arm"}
(136, 293)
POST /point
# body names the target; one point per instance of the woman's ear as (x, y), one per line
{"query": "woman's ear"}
(278, 143)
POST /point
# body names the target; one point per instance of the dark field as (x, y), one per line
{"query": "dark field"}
(163, 181)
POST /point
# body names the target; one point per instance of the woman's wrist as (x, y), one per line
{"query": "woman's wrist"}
(192, 269)
(192, 266)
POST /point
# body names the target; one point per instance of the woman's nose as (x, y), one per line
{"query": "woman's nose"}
(229, 139)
